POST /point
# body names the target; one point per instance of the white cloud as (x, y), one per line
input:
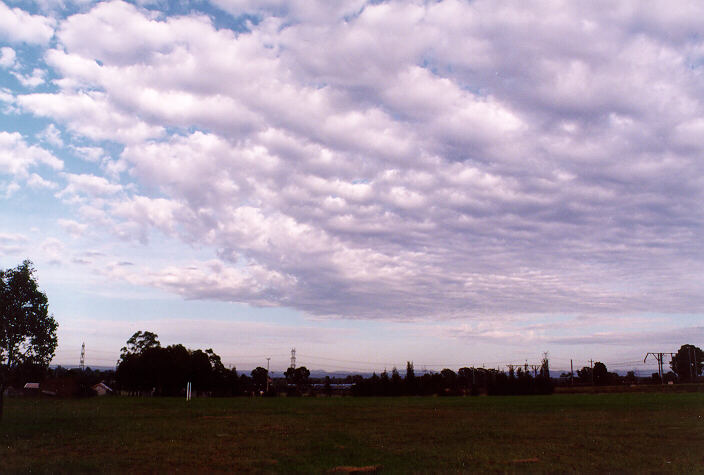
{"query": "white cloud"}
(33, 80)
(7, 57)
(36, 181)
(18, 26)
(17, 157)
(74, 228)
(52, 135)
(89, 114)
(89, 154)
(140, 213)
(53, 250)
(88, 184)
(6, 238)
(397, 159)
(12, 243)
(10, 189)
(310, 10)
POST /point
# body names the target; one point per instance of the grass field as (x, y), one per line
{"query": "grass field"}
(592, 432)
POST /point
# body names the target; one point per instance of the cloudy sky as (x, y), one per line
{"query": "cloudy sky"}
(452, 182)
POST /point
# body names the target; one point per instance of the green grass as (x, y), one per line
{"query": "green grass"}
(593, 432)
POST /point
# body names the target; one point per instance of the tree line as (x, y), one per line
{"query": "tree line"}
(145, 367)
(466, 381)
(28, 341)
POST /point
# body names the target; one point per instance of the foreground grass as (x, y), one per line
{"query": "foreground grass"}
(604, 432)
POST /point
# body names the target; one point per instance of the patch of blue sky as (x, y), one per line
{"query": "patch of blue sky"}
(351, 17)
(59, 9)
(220, 18)
(164, 8)
(27, 206)
(31, 128)
(25, 124)
(170, 131)
(28, 55)
(459, 75)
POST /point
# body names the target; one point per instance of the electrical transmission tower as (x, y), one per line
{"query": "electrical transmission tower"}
(293, 358)
(83, 356)
(659, 357)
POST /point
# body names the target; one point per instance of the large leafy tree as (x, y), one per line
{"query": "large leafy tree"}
(601, 374)
(139, 342)
(27, 331)
(688, 362)
(146, 366)
(259, 377)
(298, 376)
(585, 375)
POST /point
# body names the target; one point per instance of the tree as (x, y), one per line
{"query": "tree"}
(145, 366)
(27, 331)
(449, 379)
(298, 376)
(688, 362)
(601, 374)
(396, 383)
(585, 375)
(410, 372)
(141, 363)
(545, 367)
(630, 377)
(139, 342)
(302, 375)
(411, 383)
(259, 377)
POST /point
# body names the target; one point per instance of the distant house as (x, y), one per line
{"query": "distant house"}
(31, 389)
(102, 389)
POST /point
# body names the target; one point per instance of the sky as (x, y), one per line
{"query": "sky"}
(453, 183)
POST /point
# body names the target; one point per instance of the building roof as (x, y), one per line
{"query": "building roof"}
(102, 385)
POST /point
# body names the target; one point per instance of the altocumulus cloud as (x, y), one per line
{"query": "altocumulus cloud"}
(402, 160)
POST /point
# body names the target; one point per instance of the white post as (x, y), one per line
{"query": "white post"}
(188, 391)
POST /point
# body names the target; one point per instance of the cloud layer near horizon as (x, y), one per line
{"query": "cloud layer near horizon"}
(397, 160)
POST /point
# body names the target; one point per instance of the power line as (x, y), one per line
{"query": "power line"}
(659, 357)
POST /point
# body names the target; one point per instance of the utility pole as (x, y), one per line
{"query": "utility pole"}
(267, 375)
(658, 357)
(591, 365)
(535, 367)
(293, 358)
(83, 356)
(571, 373)
(696, 365)
(546, 362)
